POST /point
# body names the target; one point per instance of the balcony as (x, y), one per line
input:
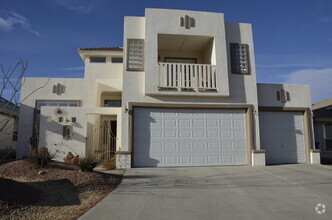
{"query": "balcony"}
(187, 77)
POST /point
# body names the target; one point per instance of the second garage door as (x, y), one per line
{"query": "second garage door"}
(189, 137)
(282, 136)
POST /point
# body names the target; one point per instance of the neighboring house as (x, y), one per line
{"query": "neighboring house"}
(9, 113)
(181, 92)
(323, 129)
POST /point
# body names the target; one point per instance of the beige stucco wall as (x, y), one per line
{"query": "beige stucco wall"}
(138, 85)
(87, 91)
(299, 95)
(162, 21)
(51, 130)
(106, 70)
(113, 80)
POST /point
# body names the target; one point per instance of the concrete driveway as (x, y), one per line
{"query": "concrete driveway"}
(273, 192)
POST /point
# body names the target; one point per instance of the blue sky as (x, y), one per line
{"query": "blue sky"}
(292, 38)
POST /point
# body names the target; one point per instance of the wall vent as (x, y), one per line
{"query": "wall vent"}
(187, 22)
(59, 89)
(283, 96)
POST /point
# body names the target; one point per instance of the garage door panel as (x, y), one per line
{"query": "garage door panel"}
(282, 136)
(189, 137)
(185, 123)
(213, 146)
(198, 134)
(226, 123)
(240, 146)
(186, 146)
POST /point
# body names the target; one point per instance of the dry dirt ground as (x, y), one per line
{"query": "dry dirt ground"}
(62, 192)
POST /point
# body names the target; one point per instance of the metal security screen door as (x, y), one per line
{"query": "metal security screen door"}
(108, 136)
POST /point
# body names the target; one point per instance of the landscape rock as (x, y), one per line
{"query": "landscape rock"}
(41, 172)
(70, 158)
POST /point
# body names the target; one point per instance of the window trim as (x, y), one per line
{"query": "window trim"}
(248, 59)
(116, 58)
(79, 102)
(119, 100)
(97, 58)
(127, 55)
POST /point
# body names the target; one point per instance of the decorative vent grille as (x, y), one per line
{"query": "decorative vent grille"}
(187, 22)
(283, 96)
(59, 89)
(135, 59)
(240, 58)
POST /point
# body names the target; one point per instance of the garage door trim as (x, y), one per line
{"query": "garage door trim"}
(307, 122)
(248, 119)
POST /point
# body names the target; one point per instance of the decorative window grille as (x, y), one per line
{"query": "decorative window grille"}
(135, 54)
(283, 96)
(240, 58)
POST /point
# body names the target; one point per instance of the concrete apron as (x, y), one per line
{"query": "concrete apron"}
(236, 192)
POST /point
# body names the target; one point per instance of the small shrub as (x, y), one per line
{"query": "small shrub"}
(109, 163)
(41, 157)
(88, 163)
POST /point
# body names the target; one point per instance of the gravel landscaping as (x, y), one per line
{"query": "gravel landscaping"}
(58, 191)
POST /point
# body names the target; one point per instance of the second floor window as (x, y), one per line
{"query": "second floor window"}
(117, 60)
(97, 59)
(135, 54)
(112, 103)
(240, 58)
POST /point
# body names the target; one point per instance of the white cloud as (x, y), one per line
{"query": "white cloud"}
(10, 20)
(82, 6)
(325, 19)
(320, 81)
(286, 65)
(73, 68)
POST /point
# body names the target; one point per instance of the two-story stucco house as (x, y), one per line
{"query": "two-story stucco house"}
(181, 92)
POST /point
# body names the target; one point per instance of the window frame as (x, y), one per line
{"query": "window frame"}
(112, 100)
(116, 58)
(96, 57)
(248, 72)
(127, 55)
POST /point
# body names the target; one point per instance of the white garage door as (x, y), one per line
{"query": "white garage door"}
(282, 136)
(189, 137)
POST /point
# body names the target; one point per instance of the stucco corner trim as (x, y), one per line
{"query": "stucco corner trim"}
(258, 151)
